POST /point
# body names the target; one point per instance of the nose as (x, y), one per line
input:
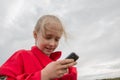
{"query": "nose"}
(52, 42)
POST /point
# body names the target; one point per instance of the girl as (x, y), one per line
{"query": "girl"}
(40, 63)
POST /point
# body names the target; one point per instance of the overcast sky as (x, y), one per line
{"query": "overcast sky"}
(93, 28)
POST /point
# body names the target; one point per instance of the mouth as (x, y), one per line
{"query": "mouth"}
(50, 49)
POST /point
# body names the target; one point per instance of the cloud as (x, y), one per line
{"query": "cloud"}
(92, 26)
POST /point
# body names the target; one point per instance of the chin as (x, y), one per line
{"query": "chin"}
(47, 53)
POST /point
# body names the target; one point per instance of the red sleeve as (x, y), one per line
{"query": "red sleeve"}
(13, 69)
(32, 76)
(71, 76)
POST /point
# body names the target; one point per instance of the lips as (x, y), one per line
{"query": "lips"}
(49, 49)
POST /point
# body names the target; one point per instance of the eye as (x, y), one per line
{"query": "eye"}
(57, 39)
(48, 37)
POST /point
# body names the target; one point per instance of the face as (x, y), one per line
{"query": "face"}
(48, 43)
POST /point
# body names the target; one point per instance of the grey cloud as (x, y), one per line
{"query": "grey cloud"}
(93, 27)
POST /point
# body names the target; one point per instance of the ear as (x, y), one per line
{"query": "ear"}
(35, 34)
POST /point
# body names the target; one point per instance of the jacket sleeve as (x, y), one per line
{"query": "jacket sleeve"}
(72, 75)
(25, 76)
(13, 69)
(32, 76)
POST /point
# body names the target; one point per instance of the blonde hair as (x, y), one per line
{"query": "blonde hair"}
(47, 19)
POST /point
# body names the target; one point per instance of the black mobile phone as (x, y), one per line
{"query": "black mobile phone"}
(72, 55)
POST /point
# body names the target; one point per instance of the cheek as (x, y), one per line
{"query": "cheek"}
(39, 43)
(57, 44)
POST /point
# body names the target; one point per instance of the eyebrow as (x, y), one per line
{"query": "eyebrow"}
(52, 35)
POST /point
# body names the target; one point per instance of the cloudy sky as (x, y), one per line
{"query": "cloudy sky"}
(93, 28)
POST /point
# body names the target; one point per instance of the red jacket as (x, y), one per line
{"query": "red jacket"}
(27, 65)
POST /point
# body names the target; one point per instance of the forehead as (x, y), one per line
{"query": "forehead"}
(53, 28)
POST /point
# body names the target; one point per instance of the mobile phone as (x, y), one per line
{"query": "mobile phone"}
(72, 55)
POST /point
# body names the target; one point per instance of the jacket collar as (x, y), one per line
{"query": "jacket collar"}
(54, 56)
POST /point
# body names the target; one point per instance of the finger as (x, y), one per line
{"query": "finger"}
(65, 70)
(66, 61)
(59, 76)
(71, 64)
(65, 66)
(60, 73)
(68, 65)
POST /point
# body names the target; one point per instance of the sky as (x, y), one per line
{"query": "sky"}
(92, 27)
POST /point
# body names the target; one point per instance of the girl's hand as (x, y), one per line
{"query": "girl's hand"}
(56, 69)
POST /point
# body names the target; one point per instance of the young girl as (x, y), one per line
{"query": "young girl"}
(40, 63)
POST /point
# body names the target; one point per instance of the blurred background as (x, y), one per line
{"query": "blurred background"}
(93, 28)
